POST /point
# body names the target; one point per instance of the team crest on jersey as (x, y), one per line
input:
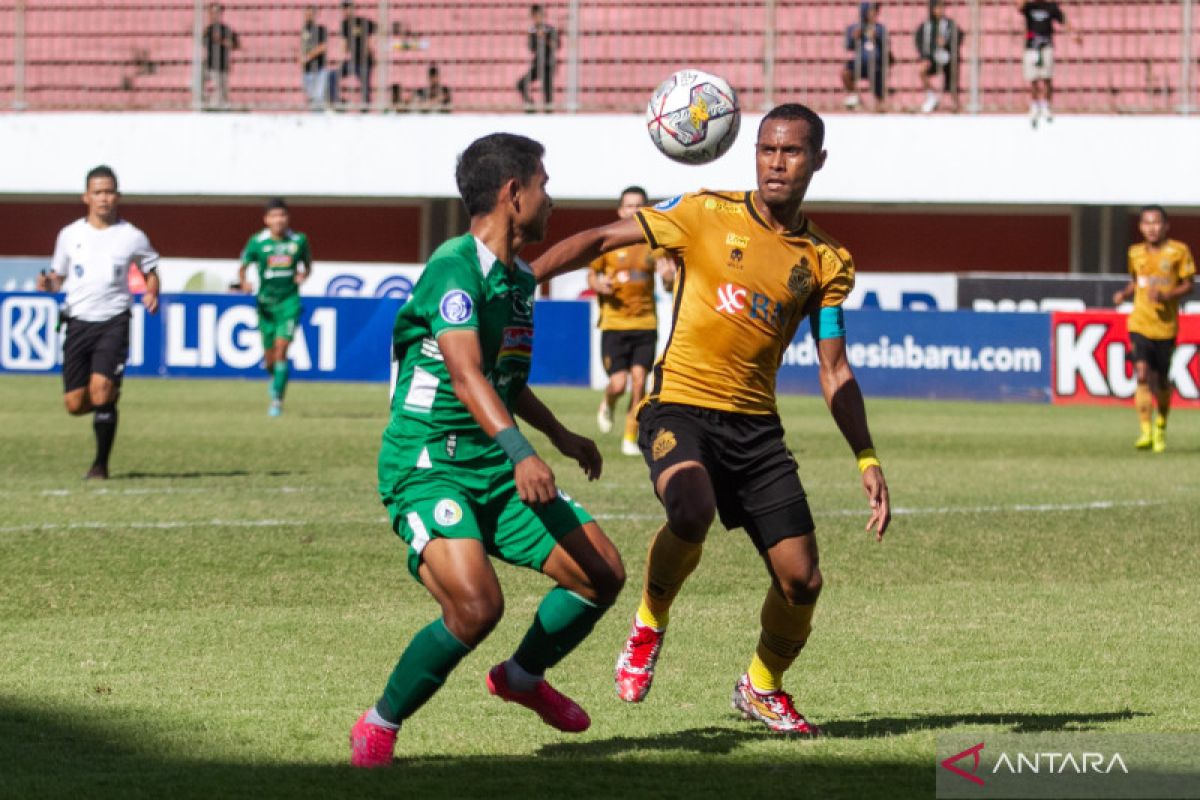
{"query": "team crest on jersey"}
(669, 203)
(456, 306)
(447, 512)
(1164, 265)
(800, 281)
(735, 258)
(664, 442)
(522, 306)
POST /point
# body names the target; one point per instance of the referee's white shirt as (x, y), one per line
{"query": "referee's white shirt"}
(95, 263)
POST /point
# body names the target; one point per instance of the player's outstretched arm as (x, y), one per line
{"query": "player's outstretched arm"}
(585, 247)
(845, 402)
(464, 360)
(531, 409)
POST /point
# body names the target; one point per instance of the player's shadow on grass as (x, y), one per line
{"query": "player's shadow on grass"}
(703, 741)
(91, 749)
(224, 473)
(1015, 722)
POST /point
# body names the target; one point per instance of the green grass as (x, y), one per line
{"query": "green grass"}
(210, 622)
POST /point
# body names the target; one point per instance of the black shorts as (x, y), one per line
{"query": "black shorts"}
(932, 68)
(620, 350)
(753, 473)
(95, 348)
(1155, 352)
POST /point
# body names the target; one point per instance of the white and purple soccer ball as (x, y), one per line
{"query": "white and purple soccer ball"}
(693, 117)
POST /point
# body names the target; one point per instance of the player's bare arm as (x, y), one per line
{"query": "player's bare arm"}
(242, 282)
(586, 246)
(464, 360)
(150, 298)
(1124, 293)
(845, 402)
(1182, 290)
(572, 445)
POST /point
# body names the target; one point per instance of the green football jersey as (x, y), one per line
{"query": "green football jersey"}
(463, 287)
(276, 260)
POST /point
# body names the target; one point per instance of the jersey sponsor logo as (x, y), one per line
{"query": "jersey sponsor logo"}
(447, 513)
(451, 445)
(79, 270)
(731, 298)
(722, 206)
(734, 300)
(669, 203)
(279, 261)
(664, 442)
(456, 306)
(735, 240)
(516, 342)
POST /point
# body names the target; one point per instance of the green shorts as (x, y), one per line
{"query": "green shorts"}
(278, 320)
(478, 501)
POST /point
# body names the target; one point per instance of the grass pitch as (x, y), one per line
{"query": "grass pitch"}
(210, 622)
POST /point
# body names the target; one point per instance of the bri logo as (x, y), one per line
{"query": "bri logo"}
(735, 299)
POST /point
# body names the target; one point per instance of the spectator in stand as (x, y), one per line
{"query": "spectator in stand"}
(543, 44)
(219, 42)
(871, 57)
(319, 81)
(939, 42)
(435, 95)
(1038, 60)
(360, 53)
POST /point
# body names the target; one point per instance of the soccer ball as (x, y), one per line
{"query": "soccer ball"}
(693, 117)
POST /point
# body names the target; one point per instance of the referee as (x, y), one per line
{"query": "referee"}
(91, 260)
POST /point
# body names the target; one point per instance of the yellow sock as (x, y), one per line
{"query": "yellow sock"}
(785, 629)
(670, 561)
(1164, 407)
(1144, 403)
(631, 427)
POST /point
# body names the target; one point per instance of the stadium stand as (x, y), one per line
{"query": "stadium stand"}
(141, 54)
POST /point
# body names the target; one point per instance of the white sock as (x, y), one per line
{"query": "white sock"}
(519, 679)
(1034, 108)
(374, 719)
(1045, 106)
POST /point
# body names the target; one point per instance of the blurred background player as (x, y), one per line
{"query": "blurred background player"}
(283, 261)
(711, 432)
(1161, 274)
(870, 58)
(624, 284)
(91, 259)
(458, 478)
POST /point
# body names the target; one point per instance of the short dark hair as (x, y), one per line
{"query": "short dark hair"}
(274, 203)
(1153, 207)
(101, 171)
(635, 190)
(799, 112)
(535, 9)
(488, 163)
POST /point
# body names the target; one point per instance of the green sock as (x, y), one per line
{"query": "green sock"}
(280, 379)
(563, 620)
(429, 658)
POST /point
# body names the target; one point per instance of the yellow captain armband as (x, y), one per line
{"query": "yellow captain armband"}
(866, 459)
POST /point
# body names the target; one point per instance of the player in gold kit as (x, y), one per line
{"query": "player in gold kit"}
(1161, 273)
(623, 280)
(751, 267)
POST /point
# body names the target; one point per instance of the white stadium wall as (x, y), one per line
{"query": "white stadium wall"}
(889, 159)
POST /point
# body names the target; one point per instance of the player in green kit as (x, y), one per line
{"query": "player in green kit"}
(283, 261)
(460, 481)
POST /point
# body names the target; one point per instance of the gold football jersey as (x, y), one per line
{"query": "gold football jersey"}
(1163, 269)
(741, 291)
(630, 307)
